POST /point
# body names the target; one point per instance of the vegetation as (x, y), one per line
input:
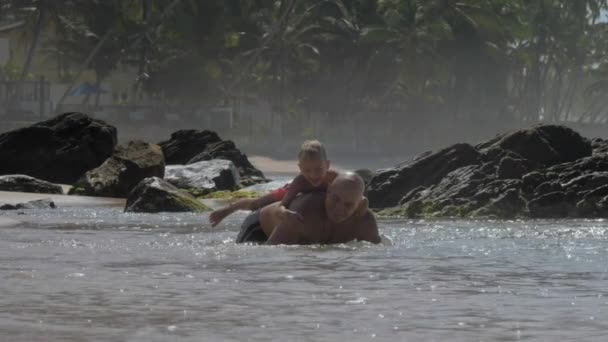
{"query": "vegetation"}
(511, 60)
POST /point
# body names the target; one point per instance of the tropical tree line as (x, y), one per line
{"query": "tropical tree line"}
(517, 60)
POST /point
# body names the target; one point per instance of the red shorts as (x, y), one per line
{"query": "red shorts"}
(279, 193)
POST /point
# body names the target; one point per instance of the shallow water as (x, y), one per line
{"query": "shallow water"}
(86, 274)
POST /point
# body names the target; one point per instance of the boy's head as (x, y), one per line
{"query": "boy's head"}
(313, 163)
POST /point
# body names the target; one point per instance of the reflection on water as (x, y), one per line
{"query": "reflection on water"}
(103, 275)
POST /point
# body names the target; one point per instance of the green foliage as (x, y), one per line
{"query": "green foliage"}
(470, 59)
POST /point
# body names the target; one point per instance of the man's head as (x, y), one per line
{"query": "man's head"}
(312, 161)
(344, 196)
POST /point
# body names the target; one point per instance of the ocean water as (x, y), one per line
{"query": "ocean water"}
(98, 274)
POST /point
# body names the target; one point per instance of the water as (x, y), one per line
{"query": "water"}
(86, 274)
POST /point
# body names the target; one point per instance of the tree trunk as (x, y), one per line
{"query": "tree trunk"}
(30, 55)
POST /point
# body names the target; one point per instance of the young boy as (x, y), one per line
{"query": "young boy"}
(315, 174)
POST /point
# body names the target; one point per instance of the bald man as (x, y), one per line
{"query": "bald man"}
(327, 218)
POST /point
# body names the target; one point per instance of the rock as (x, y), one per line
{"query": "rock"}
(551, 205)
(186, 144)
(59, 150)
(365, 174)
(544, 144)
(414, 194)
(545, 171)
(153, 195)
(389, 186)
(586, 182)
(599, 146)
(507, 205)
(531, 181)
(511, 168)
(45, 203)
(547, 187)
(23, 183)
(226, 150)
(495, 189)
(119, 174)
(204, 177)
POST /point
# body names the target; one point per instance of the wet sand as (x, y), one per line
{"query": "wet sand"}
(8, 197)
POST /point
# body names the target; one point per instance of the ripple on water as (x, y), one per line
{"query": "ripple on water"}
(168, 276)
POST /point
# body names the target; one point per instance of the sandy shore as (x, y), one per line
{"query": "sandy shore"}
(7, 197)
(271, 166)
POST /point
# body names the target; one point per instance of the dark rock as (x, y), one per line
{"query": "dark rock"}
(510, 168)
(186, 144)
(600, 146)
(227, 150)
(507, 205)
(204, 177)
(547, 187)
(413, 209)
(531, 181)
(495, 189)
(59, 150)
(551, 205)
(153, 195)
(23, 183)
(365, 174)
(45, 203)
(545, 144)
(586, 182)
(413, 195)
(460, 183)
(388, 187)
(119, 174)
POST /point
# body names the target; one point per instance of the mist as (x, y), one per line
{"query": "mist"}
(373, 80)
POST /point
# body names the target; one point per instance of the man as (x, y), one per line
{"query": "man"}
(326, 218)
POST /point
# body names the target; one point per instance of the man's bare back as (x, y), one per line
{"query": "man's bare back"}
(316, 227)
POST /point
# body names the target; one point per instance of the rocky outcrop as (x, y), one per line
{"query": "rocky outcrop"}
(59, 150)
(119, 174)
(204, 177)
(388, 187)
(23, 183)
(541, 172)
(154, 195)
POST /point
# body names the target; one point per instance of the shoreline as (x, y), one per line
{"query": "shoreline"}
(10, 197)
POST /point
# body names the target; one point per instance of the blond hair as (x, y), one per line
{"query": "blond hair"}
(312, 149)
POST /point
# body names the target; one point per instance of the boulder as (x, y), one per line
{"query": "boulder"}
(226, 150)
(59, 150)
(387, 187)
(119, 174)
(544, 144)
(186, 144)
(23, 183)
(204, 177)
(154, 195)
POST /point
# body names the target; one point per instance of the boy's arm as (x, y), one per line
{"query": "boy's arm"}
(298, 185)
(243, 204)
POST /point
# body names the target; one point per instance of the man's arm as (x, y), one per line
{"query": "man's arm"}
(367, 228)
